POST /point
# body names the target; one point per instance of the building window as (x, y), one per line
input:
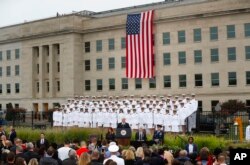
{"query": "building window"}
(111, 44)
(47, 66)
(182, 57)
(167, 81)
(230, 31)
(17, 88)
(37, 87)
(197, 35)
(8, 55)
(198, 80)
(247, 52)
(8, 88)
(58, 67)
(214, 55)
(1, 56)
(17, 70)
(16, 105)
(111, 63)
(138, 83)
(57, 48)
(123, 43)
(87, 47)
(232, 79)
(213, 33)
(111, 84)
(215, 79)
(166, 38)
(8, 71)
(47, 85)
(248, 77)
(124, 83)
(87, 85)
(213, 104)
(37, 68)
(87, 65)
(1, 72)
(99, 84)
(166, 59)
(123, 62)
(181, 36)
(17, 53)
(247, 29)
(231, 54)
(98, 64)
(152, 83)
(1, 88)
(99, 45)
(200, 109)
(182, 80)
(58, 86)
(197, 56)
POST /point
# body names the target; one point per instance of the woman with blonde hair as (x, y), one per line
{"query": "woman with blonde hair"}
(169, 157)
(33, 161)
(129, 157)
(139, 154)
(84, 159)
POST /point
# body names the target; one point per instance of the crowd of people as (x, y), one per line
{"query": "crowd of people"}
(172, 112)
(42, 152)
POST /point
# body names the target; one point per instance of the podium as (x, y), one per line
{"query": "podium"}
(123, 136)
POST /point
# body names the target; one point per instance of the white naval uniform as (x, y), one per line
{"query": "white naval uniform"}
(248, 133)
(175, 123)
(167, 122)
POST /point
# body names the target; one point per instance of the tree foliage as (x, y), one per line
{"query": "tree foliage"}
(233, 106)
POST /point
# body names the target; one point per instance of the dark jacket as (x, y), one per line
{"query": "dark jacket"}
(195, 149)
(31, 154)
(69, 161)
(158, 135)
(47, 161)
(95, 162)
(110, 136)
(125, 125)
(45, 143)
(12, 136)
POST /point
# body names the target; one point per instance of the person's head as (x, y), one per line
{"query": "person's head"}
(95, 155)
(83, 144)
(42, 135)
(168, 156)
(221, 159)
(139, 152)
(182, 153)
(204, 153)
(33, 161)
(123, 120)
(159, 127)
(129, 155)
(190, 140)
(30, 146)
(10, 157)
(50, 151)
(18, 142)
(110, 130)
(20, 161)
(113, 148)
(19, 149)
(3, 138)
(72, 154)
(84, 159)
(66, 143)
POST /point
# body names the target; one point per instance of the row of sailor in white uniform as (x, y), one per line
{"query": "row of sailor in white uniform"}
(171, 114)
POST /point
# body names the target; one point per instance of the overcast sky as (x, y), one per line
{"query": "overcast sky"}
(18, 11)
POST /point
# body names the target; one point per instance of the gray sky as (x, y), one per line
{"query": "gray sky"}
(17, 11)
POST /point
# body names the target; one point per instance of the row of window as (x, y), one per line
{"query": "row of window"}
(198, 81)
(48, 68)
(8, 71)
(8, 88)
(8, 54)
(182, 58)
(58, 86)
(181, 35)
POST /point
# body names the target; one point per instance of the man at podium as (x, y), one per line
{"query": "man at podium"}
(123, 133)
(123, 124)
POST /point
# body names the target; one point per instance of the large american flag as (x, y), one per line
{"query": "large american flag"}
(139, 45)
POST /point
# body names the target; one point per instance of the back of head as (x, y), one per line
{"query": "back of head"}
(129, 155)
(84, 159)
(50, 151)
(83, 144)
(33, 161)
(95, 155)
(72, 154)
(20, 161)
(30, 146)
(183, 153)
(10, 157)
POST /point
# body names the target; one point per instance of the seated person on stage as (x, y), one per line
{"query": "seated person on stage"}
(110, 135)
(123, 124)
(140, 135)
(158, 136)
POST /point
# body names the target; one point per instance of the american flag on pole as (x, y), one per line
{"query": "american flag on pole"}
(139, 45)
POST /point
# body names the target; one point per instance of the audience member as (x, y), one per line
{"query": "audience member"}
(84, 159)
(30, 153)
(72, 160)
(82, 149)
(63, 152)
(110, 135)
(47, 159)
(33, 161)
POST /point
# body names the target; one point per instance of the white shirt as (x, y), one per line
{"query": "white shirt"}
(63, 153)
(248, 132)
(191, 148)
(118, 160)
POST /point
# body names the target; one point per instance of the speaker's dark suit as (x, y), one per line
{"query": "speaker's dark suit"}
(123, 125)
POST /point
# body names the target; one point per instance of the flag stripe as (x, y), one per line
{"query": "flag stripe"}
(139, 45)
